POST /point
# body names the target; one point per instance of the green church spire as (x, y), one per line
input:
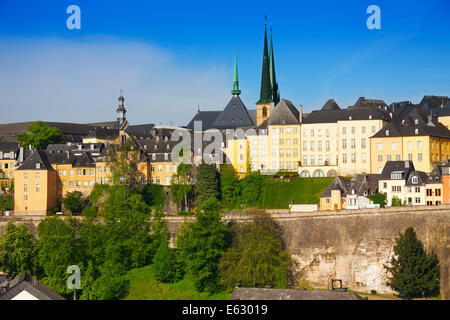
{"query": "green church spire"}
(273, 78)
(266, 88)
(235, 78)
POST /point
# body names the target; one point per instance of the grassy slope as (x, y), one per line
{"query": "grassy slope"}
(278, 194)
(144, 286)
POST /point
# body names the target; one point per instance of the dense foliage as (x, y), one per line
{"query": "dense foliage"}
(166, 265)
(73, 201)
(378, 198)
(16, 249)
(39, 135)
(181, 187)
(201, 244)
(230, 188)
(414, 272)
(257, 257)
(207, 184)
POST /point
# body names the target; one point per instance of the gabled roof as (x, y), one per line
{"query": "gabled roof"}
(361, 184)
(401, 166)
(434, 129)
(421, 176)
(433, 102)
(7, 147)
(360, 113)
(233, 116)
(284, 113)
(102, 133)
(291, 294)
(363, 102)
(141, 130)
(206, 117)
(330, 105)
(37, 156)
(25, 282)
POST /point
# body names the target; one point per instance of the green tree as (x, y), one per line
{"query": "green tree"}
(229, 184)
(378, 198)
(56, 251)
(201, 244)
(154, 195)
(182, 186)
(396, 202)
(124, 161)
(207, 184)
(39, 135)
(413, 272)
(73, 201)
(257, 257)
(251, 187)
(16, 249)
(166, 266)
(111, 284)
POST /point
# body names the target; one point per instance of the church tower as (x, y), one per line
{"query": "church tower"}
(121, 112)
(269, 95)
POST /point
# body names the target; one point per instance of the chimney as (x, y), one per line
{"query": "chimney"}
(300, 113)
(21, 155)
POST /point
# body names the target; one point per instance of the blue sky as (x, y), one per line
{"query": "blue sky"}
(170, 56)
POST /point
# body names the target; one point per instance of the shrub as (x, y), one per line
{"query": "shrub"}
(166, 266)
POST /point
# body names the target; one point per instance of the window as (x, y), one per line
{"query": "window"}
(91, 184)
(327, 133)
(305, 146)
(281, 142)
(437, 192)
(264, 112)
(25, 188)
(78, 183)
(64, 172)
(344, 143)
(373, 129)
(394, 146)
(241, 157)
(380, 158)
(159, 168)
(353, 157)
(363, 142)
(415, 180)
(417, 201)
(353, 129)
(344, 130)
(38, 176)
(312, 145)
(327, 145)
(344, 158)
(312, 132)
(410, 145)
(410, 157)
(100, 181)
(305, 133)
(25, 176)
(79, 172)
(99, 169)
(71, 184)
(313, 160)
(167, 168)
(38, 188)
(429, 192)
(388, 157)
(363, 158)
(85, 184)
(319, 145)
(363, 129)
(305, 160)
(397, 157)
(92, 172)
(380, 146)
(166, 156)
(396, 188)
(281, 130)
(353, 143)
(319, 132)
(416, 189)
(384, 185)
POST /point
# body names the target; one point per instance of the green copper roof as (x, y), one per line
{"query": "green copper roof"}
(266, 87)
(273, 78)
(235, 79)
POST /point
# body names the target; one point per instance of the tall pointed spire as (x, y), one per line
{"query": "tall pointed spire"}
(266, 88)
(235, 78)
(273, 78)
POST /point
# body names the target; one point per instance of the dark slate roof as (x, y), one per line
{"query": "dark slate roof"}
(361, 183)
(291, 294)
(158, 148)
(233, 116)
(445, 111)
(105, 124)
(408, 128)
(284, 113)
(206, 117)
(102, 133)
(363, 113)
(363, 102)
(433, 102)
(84, 160)
(141, 130)
(25, 282)
(7, 147)
(37, 156)
(330, 105)
(422, 178)
(435, 175)
(403, 166)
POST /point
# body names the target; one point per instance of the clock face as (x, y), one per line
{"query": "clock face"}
(336, 284)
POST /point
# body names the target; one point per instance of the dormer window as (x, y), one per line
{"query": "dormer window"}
(416, 121)
(416, 131)
(396, 175)
(38, 165)
(370, 117)
(155, 147)
(350, 118)
(415, 180)
(403, 121)
(390, 114)
(387, 132)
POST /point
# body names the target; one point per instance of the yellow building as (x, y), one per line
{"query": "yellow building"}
(9, 154)
(425, 142)
(35, 186)
(337, 141)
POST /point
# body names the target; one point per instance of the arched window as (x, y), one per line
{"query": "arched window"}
(332, 173)
(304, 174)
(318, 174)
(264, 112)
